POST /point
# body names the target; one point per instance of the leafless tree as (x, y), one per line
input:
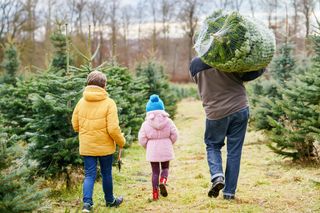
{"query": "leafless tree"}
(97, 15)
(30, 25)
(252, 7)
(296, 8)
(307, 7)
(68, 14)
(12, 18)
(77, 7)
(50, 5)
(154, 8)
(27, 34)
(126, 21)
(140, 12)
(167, 11)
(222, 4)
(269, 7)
(94, 10)
(236, 4)
(189, 16)
(113, 22)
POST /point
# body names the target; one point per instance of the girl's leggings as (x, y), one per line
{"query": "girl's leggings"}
(156, 172)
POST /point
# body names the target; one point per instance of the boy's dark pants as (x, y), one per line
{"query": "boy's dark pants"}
(90, 168)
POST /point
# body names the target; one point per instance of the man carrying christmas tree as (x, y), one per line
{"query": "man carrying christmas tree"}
(225, 103)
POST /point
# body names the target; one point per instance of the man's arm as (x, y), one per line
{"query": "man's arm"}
(75, 119)
(197, 66)
(249, 76)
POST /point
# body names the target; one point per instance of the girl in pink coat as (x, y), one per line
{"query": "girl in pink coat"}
(157, 135)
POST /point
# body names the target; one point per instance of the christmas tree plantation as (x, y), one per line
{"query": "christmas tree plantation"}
(39, 110)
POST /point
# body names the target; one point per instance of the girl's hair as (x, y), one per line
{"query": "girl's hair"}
(97, 78)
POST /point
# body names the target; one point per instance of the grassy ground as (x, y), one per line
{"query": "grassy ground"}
(267, 183)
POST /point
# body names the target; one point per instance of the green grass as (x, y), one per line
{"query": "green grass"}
(267, 183)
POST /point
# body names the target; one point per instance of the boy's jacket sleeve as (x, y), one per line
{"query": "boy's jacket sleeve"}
(113, 125)
(75, 119)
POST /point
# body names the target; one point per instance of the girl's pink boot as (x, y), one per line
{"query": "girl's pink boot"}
(155, 194)
(162, 185)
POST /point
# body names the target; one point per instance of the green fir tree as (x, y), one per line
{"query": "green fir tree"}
(284, 65)
(294, 135)
(267, 90)
(158, 84)
(60, 57)
(18, 192)
(16, 109)
(10, 63)
(53, 142)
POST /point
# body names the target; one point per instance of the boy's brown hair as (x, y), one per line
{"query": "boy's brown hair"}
(97, 78)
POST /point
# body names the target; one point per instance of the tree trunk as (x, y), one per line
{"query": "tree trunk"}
(113, 41)
(100, 60)
(295, 18)
(68, 181)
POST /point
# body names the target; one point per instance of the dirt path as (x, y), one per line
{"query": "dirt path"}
(267, 183)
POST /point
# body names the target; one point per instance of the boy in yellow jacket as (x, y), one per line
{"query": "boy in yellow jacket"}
(95, 117)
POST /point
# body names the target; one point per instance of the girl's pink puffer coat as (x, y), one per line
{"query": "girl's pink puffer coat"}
(157, 134)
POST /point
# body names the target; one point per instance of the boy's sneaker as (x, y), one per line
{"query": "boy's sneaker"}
(217, 185)
(228, 197)
(86, 207)
(162, 186)
(116, 202)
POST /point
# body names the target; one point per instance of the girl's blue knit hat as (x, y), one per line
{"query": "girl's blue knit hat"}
(154, 103)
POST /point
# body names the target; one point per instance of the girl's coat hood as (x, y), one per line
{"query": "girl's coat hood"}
(158, 119)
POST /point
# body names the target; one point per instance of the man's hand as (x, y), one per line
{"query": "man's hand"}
(249, 76)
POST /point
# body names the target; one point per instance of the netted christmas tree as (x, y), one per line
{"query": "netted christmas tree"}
(296, 133)
(154, 76)
(231, 42)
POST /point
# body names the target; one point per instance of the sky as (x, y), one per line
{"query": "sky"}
(260, 13)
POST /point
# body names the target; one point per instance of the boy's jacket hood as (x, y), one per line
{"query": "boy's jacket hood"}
(94, 93)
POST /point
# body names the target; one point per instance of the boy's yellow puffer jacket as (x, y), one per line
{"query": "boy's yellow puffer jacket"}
(96, 119)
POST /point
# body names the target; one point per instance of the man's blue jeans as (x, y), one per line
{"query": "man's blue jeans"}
(90, 168)
(234, 128)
